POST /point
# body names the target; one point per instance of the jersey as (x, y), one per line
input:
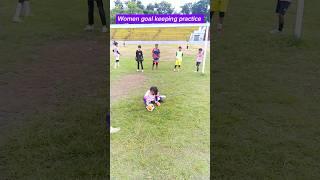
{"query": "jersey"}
(139, 55)
(200, 57)
(179, 55)
(116, 52)
(156, 54)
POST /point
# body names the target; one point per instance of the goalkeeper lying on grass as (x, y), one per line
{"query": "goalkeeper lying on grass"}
(151, 97)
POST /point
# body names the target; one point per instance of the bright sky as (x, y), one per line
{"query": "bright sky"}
(175, 3)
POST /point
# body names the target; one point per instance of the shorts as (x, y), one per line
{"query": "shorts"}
(178, 62)
(159, 99)
(156, 60)
(117, 60)
(198, 63)
(220, 5)
(282, 7)
(117, 57)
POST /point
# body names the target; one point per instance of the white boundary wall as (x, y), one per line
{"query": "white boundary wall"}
(160, 42)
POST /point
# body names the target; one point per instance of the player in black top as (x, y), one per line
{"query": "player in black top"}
(139, 58)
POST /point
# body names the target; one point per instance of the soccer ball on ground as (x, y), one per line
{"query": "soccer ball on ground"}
(150, 107)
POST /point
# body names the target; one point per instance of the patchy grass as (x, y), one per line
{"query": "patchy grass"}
(67, 140)
(266, 100)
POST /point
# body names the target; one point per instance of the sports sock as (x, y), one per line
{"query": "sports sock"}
(17, 14)
(280, 26)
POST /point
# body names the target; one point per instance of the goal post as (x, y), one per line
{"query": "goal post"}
(299, 19)
(206, 41)
(181, 36)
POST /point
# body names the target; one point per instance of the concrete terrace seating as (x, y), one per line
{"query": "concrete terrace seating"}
(153, 34)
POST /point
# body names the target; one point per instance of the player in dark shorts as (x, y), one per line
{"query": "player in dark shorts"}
(90, 27)
(281, 9)
(22, 9)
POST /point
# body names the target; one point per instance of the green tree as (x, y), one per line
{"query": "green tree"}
(164, 8)
(150, 7)
(201, 7)
(116, 10)
(186, 9)
(118, 4)
(140, 5)
(133, 8)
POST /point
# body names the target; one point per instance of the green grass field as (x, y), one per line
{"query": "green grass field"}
(62, 134)
(266, 95)
(173, 141)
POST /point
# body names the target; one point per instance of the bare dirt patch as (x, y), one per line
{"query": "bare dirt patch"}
(125, 85)
(61, 72)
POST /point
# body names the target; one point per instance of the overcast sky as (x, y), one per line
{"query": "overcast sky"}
(175, 3)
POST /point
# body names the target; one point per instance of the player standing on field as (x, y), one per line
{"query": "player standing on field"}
(155, 56)
(179, 56)
(281, 9)
(116, 55)
(139, 58)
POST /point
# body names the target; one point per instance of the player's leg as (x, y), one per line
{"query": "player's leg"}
(222, 12)
(117, 63)
(162, 98)
(17, 14)
(89, 27)
(284, 5)
(141, 66)
(221, 18)
(138, 67)
(281, 9)
(157, 63)
(26, 10)
(102, 15)
(215, 8)
(153, 62)
(112, 129)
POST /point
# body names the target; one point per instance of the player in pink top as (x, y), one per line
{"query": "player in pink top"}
(153, 96)
(199, 59)
(155, 56)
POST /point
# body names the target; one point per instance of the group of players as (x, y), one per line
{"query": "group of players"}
(139, 57)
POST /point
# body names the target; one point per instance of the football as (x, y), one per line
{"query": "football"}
(150, 107)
